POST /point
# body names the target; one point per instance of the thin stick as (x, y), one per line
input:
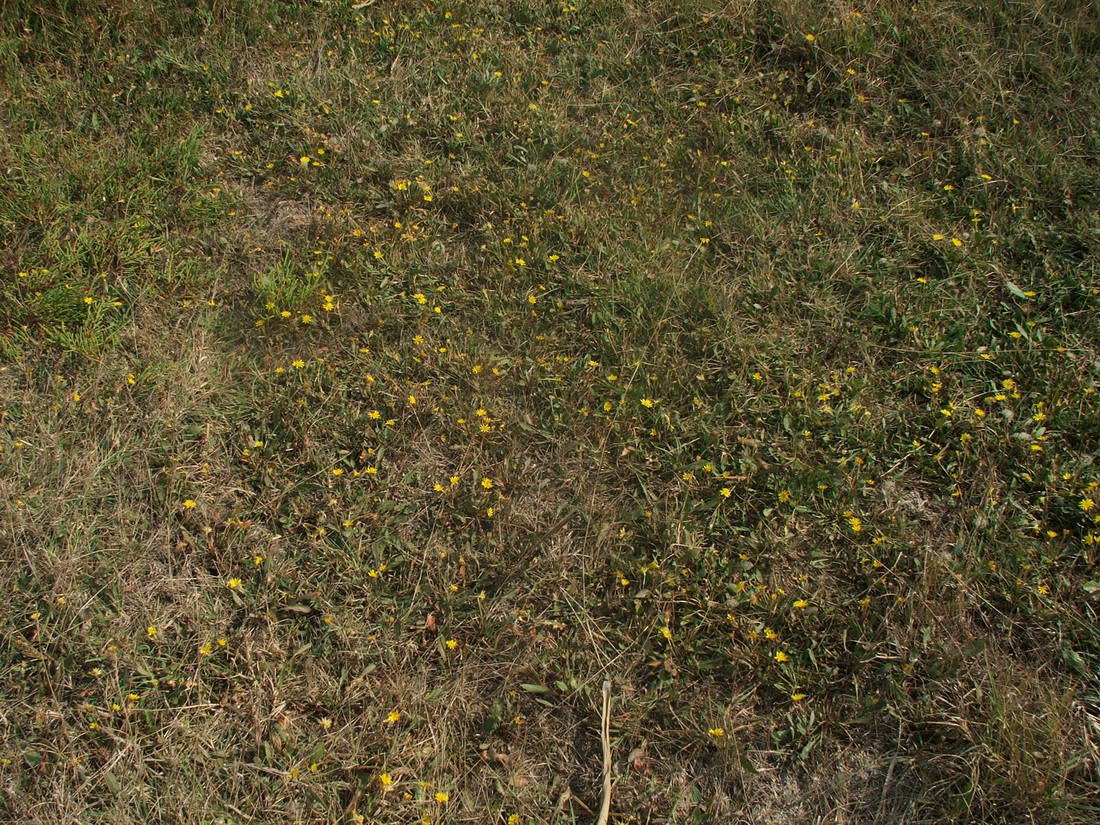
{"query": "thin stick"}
(605, 738)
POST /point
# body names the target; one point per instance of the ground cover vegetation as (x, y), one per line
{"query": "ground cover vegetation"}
(379, 378)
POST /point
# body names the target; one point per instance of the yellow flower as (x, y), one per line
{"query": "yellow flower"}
(297, 363)
(726, 492)
(451, 644)
(386, 781)
(487, 483)
(781, 657)
(1087, 504)
(810, 38)
(666, 631)
(797, 697)
(393, 717)
(801, 603)
(412, 399)
(206, 649)
(717, 732)
(647, 402)
(233, 583)
(337, 471)
(151, 631)
(189, 503)
(441, 796)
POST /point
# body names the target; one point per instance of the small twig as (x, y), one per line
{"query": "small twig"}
(605, 738)
(260, 768)
(239, 812)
